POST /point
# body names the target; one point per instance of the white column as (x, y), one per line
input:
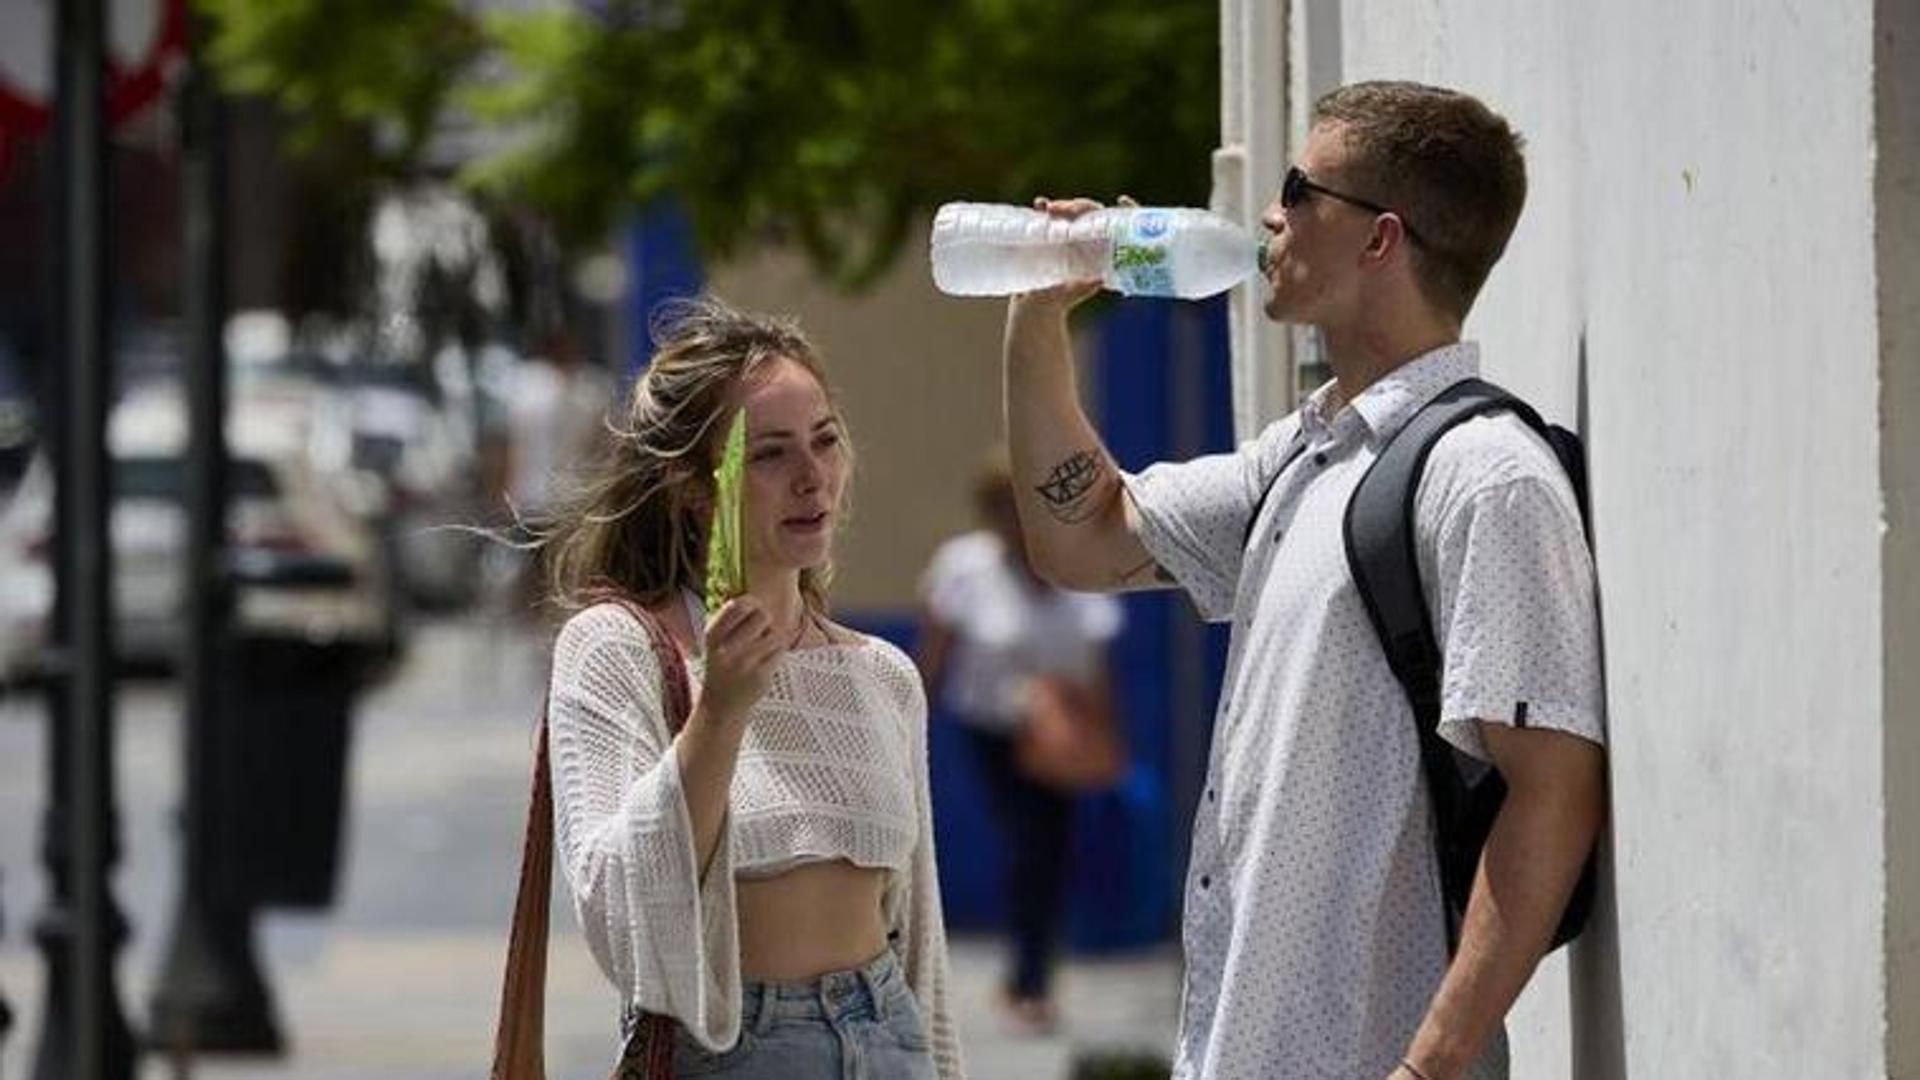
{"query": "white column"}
(1246, 172)
(1314, 66)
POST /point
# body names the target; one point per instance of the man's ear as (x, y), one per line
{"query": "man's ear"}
(1389, 234)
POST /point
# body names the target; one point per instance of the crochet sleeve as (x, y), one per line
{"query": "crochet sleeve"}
(665, 937)
(918, 924)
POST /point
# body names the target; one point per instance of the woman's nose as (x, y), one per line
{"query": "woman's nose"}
(811, 474)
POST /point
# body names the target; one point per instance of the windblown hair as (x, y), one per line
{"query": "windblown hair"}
(637, 521)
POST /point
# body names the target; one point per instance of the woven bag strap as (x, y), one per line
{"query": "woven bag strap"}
(520, 1030)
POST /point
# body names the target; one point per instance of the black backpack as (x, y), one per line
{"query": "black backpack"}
(1379, 538)
(1380, 552)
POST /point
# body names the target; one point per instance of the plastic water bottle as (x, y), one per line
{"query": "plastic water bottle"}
(989, 249)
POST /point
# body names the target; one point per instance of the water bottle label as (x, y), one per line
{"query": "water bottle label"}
(1142, 265)
(1150, 224)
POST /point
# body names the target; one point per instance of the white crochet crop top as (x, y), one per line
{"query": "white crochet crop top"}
(826, 768)
(833, 765)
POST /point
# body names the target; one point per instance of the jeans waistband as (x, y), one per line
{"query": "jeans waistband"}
(857, 993)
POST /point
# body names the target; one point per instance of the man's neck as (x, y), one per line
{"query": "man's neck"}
(1363, 355)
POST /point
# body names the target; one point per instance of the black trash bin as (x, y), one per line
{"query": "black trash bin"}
(289, 711)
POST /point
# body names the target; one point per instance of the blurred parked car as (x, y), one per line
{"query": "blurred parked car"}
(419, 466)
(287, 523)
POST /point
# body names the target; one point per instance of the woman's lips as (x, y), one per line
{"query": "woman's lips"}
(807, 523)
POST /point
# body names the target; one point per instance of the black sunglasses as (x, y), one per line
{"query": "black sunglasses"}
(1296, 187)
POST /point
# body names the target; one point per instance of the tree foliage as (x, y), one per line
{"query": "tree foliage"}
(834, 125)
(367, 77)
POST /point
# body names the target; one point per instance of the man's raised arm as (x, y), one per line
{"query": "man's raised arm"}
(1079, 523)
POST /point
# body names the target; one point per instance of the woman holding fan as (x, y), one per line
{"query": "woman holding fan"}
(740, 786)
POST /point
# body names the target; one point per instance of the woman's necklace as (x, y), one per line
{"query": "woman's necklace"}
(807, 618)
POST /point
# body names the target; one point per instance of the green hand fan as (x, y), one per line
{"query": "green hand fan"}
(726, 546)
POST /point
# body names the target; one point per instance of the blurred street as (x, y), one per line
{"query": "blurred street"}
(400, 980)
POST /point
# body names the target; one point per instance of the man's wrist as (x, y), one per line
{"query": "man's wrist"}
(1031, 309)
(1407, 1070)
(1426, 1061)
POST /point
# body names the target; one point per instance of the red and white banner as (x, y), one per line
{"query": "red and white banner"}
(146, 40)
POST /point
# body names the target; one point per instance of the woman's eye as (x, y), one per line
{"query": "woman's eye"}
(765, 455)
(825, 442)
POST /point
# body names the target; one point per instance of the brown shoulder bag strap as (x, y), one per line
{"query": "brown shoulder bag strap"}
(520, 1030)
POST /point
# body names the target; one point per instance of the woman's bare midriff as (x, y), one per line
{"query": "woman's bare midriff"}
(813, 919)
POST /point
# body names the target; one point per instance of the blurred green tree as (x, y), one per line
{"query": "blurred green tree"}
(364, 80)
(359, 86)
(837, 124)
(833, 125)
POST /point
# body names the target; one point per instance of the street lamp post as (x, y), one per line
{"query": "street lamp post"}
(211, 994)
(84, 1035)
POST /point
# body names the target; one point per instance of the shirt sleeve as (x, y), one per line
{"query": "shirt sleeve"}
(666, 937)
(1517, 617)
(1194, 515)
(918, 924)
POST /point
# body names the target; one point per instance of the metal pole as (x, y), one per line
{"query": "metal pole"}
(211, 995)
(53, 929)
(86, 1035)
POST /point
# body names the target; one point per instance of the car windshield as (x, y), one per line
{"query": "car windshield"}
(165, 478)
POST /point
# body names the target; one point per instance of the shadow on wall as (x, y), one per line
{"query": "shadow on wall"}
(1593, 976)
(1598, 1036)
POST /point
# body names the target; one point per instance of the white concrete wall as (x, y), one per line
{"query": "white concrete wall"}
(1701, 227)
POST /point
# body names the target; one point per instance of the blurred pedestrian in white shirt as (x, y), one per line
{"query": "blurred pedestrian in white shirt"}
(990, 628)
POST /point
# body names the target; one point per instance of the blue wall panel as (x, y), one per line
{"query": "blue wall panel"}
(1129, 843)
(662, 263)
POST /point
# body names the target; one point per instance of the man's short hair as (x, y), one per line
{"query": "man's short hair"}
(1450, 165)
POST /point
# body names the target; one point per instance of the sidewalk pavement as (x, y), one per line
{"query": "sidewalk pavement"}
(401, 979)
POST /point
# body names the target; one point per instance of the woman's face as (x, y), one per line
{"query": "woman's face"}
(796, 469)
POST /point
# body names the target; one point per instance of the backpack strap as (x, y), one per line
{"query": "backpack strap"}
(1293, 455)
(1383, 557)
(519, 1032)
(1380, 539)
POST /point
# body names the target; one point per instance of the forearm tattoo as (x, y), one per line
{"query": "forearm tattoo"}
(1068, 491)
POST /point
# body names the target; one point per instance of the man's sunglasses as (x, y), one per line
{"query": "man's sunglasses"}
(1296, 187)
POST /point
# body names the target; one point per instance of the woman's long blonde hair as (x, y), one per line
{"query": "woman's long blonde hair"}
(637, 521)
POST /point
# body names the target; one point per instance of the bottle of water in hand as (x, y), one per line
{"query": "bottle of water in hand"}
(986, 249)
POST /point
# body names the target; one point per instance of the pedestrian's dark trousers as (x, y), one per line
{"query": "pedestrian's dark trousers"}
(1037, 824)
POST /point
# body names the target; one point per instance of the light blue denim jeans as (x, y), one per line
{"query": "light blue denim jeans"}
(846, 1025)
